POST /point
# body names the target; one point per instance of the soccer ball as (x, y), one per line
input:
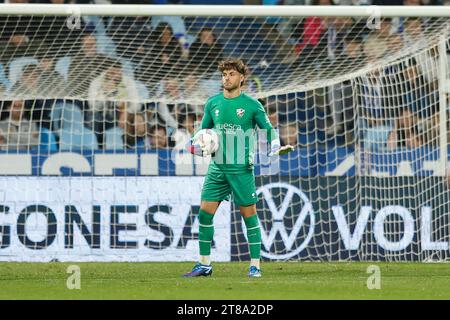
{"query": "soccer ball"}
(208, 140)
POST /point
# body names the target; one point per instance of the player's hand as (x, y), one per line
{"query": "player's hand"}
(279, 151)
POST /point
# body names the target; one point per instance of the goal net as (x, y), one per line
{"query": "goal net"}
(98, 102)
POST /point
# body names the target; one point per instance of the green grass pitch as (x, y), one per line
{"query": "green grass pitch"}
(281, 280)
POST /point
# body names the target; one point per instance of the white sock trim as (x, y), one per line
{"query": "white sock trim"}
(206, 260)
(255, 262)
(206, 225)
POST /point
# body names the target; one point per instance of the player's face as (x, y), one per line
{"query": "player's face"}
(231, 79)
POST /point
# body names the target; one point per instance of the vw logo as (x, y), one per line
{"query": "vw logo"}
(294, 208)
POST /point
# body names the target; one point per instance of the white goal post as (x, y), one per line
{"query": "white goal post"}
(224, 10)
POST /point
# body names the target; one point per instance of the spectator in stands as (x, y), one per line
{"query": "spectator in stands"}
(353, 49)
(369, 93)
(417, 94)
(157, 138)
(18, 132)
(390, 33)
(277, 30)
(16, 43)
(336, 32)
(427, 61)
(113, 84)
(198, 88)
(130, 34)
(405, 133)
(272, 113)
(181, 136)
(159, 114)
(30, 36)
(170, 48)
(386, 28)
(40, 80)
(171, 90)
(105, 91)
(205, 53)
(179, 30)
(323, 37)
(162, 58)
(413, 33)
(137, 120)
(85, 65)
(51, 82)
(289, 133)
(340, 95)
(374, 112)
(421, 99)
(28, 82)
(133, 130)
(375, 48)
(18, 36)
(311, 31)
(394, 43)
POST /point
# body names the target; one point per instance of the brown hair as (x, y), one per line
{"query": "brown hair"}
(233, 64)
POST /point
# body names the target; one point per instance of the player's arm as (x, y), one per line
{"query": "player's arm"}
(207, 123)
(263, 122)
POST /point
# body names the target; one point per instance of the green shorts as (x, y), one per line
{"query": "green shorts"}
(218, 186)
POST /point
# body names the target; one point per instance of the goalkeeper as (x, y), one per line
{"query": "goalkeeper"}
(233, 114)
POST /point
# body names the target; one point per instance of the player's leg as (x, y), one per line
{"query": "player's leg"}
(254, 238)
(244, 192)
(215, 189)
(206, 229)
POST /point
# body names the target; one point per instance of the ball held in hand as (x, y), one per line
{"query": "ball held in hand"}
(208, 140)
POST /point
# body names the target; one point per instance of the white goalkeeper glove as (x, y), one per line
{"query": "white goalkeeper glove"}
(277, 150)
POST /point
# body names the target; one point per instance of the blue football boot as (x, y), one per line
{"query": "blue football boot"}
(199, 270)
(254, 272)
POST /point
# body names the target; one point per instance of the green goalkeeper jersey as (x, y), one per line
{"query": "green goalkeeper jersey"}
(235, 120)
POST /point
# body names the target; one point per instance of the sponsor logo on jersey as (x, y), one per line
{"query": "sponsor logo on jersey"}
(229, 127)
(217, 112)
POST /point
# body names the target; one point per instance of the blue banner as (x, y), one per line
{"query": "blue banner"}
(304, 162)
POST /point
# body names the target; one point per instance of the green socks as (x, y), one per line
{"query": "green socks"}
(253, 236)
(205, 232)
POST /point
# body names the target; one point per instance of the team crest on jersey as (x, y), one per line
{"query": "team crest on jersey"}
(240, 112)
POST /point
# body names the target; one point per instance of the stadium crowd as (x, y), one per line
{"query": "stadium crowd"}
(119, 64)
